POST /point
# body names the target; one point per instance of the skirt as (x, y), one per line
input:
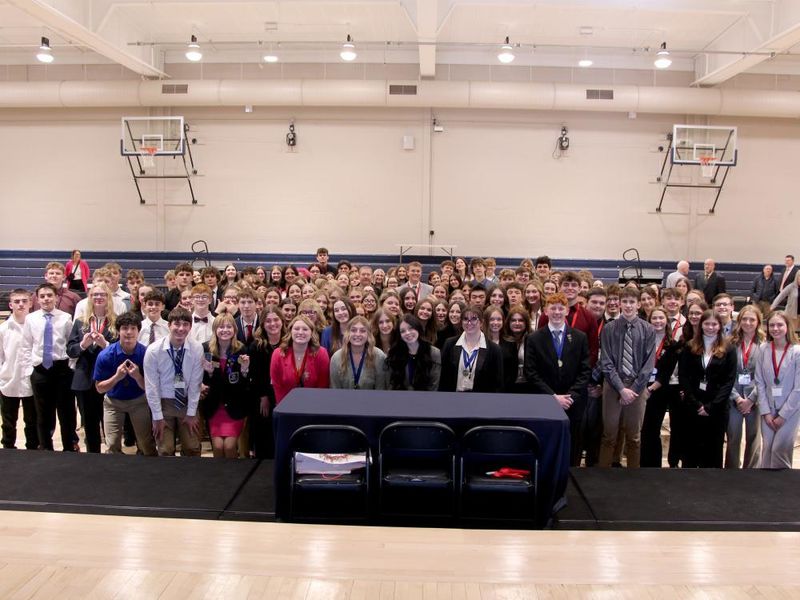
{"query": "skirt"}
(222, 425)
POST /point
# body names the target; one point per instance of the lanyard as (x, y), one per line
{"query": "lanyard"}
(177, 359)
(469, 359)
(776, 366)
(600, 326)
(97, 325)
(574, 318)
(676, 327)
(746, 353)
(299, 372)
(357, 372)
(660, 348)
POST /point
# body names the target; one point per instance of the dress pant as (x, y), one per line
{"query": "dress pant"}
(576, 414)
(777, 448)
(628, 418)
(117, 412)
(750, 426)
(9, 407)
(53, 396)
(173, 424)
(91, 404)
(706, 436)
(592, 429)
(657, 406)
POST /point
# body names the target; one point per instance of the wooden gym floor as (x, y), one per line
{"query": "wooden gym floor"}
(48, 555)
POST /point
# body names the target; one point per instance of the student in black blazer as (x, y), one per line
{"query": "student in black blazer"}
(512, 343)
(707, 371)
(564, 374)
(471, 363)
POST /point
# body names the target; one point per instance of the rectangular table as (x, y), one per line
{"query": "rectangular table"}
(372, 410)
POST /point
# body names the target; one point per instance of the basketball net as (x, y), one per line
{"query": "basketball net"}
(149, 156)
(707, 165)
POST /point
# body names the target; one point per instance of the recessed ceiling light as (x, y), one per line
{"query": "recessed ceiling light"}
(270, 58)
(585, 62)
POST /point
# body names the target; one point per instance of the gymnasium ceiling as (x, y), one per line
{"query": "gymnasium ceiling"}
(713, 39)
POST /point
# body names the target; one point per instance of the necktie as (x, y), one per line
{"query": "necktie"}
(201, 319)
(180, 393)
(249, 332)
(627, 351)
(47, 350)
(152, 333)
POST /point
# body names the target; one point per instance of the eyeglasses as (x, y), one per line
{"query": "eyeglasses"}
(470, 320)
(98, 295)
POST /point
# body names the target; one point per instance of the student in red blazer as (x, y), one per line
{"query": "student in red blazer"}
(300, 361)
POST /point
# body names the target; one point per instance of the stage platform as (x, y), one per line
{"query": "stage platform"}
(193, 488)
(681, 500)
(242, 490)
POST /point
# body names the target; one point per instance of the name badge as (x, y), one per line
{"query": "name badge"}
(653, 375)
(180, 384)
(703, 386)
(744, 378)
(777, 392)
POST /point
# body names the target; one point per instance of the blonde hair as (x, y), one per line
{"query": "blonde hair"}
(111, 316)
(345, 355)
(213, 344)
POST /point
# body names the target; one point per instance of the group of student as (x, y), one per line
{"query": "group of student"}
(220, 349)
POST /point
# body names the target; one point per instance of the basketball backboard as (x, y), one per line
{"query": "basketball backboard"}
(159, 136)
(696, 144)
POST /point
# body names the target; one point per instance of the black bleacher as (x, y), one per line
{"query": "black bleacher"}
(24, 268)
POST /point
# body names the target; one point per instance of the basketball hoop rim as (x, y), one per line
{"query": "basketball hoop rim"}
(149, 150)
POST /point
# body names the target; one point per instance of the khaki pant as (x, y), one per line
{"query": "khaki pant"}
(628, 419)
(173, 423)
(114, 412)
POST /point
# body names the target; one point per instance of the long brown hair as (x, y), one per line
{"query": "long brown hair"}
(696, 345)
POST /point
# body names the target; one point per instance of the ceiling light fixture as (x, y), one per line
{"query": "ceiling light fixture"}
(45, 54)
(662, 61)
(270, 58)
(585, 62)
(348, 52)
(506, 54)
(193, 53)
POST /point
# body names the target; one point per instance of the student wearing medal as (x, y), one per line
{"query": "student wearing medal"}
(578, 317)
(748, 338)
(778, 382)
(471, 363)
(358, 364)
(557, 363)
(228, 395)
(91, 334)
(173, 373)
(300, 361)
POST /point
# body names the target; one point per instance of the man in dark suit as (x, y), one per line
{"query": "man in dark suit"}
(709, 282)
(789, 273)
(557, 363)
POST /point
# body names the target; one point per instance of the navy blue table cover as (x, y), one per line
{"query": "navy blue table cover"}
(372, 410)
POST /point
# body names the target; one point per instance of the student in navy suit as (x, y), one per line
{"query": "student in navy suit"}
(557, 363)
(247, 319)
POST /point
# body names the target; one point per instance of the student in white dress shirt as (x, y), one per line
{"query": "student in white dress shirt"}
(44, 359)
(15, 388)
(202, 318)
(154, 327)
(173, 372)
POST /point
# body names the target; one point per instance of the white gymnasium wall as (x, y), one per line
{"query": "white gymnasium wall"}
(488, 183)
